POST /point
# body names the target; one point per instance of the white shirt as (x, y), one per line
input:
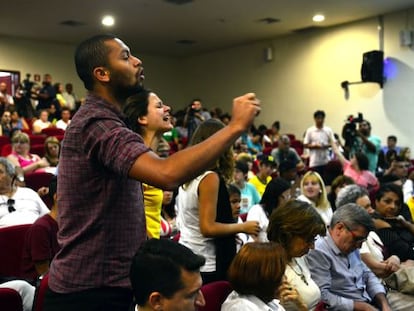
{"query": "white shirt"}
(29, 206)
(236, 302)
(323, 136)
(188, 222)
(310, 293)
(257, 213)
(373, 245)
(62, 124)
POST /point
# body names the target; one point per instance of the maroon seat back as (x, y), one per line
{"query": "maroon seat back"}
(11, 245)
(40, 293)
(10, 300)
(215, 294)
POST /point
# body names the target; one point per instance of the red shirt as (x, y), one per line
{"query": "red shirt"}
(101, 215)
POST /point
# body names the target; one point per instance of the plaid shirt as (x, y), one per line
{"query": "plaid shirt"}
(101, 211)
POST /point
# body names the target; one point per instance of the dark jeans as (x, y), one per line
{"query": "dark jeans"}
(99, 299)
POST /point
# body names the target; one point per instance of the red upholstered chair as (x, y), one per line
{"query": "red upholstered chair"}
(37, 139)
(10, 300)
(53, 131)
(41, 288)
(38, 149)
(37, 179)
(6, 150)
(215, 294)
(4, 140)
(11, 244)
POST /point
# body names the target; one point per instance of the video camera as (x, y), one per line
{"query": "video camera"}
(349, 131)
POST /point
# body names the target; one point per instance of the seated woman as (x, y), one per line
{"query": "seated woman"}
(256, 273)
(397, 233)
(21, 157)
(295, 226)
(205, 217)
(337, 184)
(52, 151)
(313, 191)
(357, 169)
(18, 205)
(277, 192)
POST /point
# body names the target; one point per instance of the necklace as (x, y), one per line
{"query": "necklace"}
(299, 273)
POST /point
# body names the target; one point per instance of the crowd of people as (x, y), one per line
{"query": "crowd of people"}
(151, 205)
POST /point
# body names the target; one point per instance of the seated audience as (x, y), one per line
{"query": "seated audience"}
(337, 184)
(166, 276)
(263, 176)
(52, 151)
(295, 226)
(398, 231)
(346, 283)
(18, 205)
(256, 275)
(372, 250)
(6, 126)
(21, 156)
(276, 194)
(313, 191)
(405, 153)
(41, 123)
(64, 119)
(17, 121)
(249, 194)
(288, 171)
(284, 152)
(41, 245)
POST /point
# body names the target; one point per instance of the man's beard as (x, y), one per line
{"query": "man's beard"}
(122, 91)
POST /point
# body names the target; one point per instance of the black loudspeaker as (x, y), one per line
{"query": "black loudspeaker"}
(372, 69)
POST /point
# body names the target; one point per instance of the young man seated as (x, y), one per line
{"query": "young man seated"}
(166, 276)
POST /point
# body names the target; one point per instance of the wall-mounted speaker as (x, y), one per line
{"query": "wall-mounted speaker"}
(372, 69)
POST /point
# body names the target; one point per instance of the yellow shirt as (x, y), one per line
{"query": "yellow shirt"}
(259, 185)
(153, 205)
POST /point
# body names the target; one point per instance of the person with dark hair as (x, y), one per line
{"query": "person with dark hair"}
(256, 274)
(346, 283)
(249, 194)
(194, 116)
(357, 168)
(399, 167)
(273, 133)
(284, 152)
(102, 164)
(276, 194)
(205, 217)
(398, 233)
(264, 175)
(391, 145)
(337, 184)
(367, 144)
(235, 200)
(41, 245)
(295, 226)
(317, 139)
(165, 276)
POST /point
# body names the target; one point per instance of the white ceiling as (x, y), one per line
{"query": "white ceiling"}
(155, 26)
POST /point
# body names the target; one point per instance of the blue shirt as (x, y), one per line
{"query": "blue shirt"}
(249, 197)
(342, 278)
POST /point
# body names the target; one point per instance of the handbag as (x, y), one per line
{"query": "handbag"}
(402, 280)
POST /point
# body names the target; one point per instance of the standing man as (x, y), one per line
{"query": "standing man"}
(317, 140)
(5, 98)
(368, 144)
(346, 283)
(194, 116)
(102, 164)
(46, 94)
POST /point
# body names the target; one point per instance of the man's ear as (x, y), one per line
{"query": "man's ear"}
(156, 300)
(101, 74)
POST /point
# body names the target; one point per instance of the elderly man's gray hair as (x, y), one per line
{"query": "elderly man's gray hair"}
(353, 215)
(10, 169)
(350, 194)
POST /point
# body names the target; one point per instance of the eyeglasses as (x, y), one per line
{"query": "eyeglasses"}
(357, 239)
(20, 142)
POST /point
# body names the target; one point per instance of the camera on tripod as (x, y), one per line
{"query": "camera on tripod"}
(349, 131)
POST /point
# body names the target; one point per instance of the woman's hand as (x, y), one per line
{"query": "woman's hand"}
(287, 293)
(251, 227)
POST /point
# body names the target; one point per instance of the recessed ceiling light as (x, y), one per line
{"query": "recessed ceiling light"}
(108, 21)
(318, 18)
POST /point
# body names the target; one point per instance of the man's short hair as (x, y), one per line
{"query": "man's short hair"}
(352, 215)
(285, 139)
(319, 113)
(350, 194)
(286, 165)
(242, 166)
(392, 137)
(157, 267)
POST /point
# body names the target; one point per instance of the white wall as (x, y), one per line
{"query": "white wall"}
(304, 76)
